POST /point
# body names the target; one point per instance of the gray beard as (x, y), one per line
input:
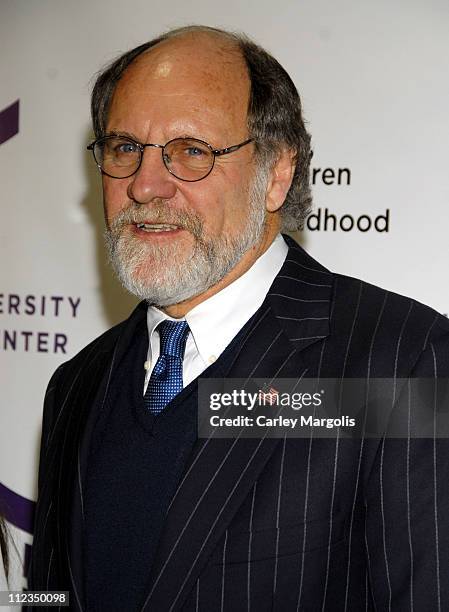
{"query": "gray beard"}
(164, 275)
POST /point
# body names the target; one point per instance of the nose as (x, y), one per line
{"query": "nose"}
(152, 180)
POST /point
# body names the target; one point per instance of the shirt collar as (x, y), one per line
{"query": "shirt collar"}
(216, 321)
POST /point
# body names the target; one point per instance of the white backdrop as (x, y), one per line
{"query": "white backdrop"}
(373, 80)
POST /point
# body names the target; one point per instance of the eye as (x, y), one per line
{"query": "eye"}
(125, 147)
(194, 151)
(187, 151)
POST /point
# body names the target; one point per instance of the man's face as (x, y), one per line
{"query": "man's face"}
(189, 86)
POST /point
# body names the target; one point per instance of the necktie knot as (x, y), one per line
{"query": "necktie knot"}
(173, 337)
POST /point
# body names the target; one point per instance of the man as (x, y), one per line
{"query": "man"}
(204, 159)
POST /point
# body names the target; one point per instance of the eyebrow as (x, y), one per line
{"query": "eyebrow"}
(125, 134)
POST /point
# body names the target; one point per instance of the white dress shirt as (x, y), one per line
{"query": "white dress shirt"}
(217, 320)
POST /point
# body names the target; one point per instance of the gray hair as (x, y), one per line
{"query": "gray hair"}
(274, 113)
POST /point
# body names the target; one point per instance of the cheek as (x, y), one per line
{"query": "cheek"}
(205, 201)
(114, 196)
(235, 207)
(224, 204)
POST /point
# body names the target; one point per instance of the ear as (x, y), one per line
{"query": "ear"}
(281, 177)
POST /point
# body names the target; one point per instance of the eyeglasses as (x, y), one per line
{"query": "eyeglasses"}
(188, 159)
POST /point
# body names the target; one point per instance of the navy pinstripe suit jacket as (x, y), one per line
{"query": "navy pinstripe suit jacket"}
(273, 524)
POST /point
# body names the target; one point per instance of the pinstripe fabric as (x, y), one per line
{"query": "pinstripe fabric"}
(306, 524)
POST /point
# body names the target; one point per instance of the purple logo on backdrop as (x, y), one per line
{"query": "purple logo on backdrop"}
(9, 122)
(17, 510)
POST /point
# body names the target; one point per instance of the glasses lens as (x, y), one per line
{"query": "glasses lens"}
(188, 159)
(117, 157)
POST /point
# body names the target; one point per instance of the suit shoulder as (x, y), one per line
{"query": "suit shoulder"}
(387, 312)
(102, 343)
(105, 343)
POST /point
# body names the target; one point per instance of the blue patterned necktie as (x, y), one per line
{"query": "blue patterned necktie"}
(166, 378)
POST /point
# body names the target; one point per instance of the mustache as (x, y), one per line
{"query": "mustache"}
(157, 213)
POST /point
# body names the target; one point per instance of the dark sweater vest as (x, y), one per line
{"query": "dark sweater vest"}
(136, 461)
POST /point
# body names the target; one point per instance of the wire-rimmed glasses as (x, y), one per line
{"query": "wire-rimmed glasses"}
(188, 159)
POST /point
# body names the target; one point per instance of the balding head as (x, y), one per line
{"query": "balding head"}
(203, 70)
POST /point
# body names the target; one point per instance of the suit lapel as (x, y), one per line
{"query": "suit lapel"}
(221, 472)
(300, 298)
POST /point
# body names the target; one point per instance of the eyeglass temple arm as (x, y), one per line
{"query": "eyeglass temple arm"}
(218, 152)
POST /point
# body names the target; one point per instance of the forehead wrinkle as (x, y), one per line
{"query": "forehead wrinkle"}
(209, 84)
